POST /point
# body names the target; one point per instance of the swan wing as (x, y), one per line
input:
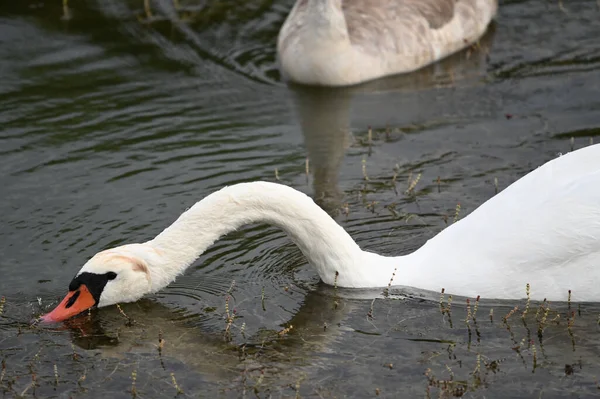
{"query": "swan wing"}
(412, 27)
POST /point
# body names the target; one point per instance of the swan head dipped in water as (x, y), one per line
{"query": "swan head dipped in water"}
(541, 230)
(127, 273)
(113, 276)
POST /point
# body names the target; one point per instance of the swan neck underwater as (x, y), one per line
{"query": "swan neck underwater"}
(540, 230)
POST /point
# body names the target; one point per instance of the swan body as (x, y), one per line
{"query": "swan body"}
(345, 42)
(544, 230)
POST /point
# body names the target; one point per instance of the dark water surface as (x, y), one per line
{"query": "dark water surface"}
(112, 124)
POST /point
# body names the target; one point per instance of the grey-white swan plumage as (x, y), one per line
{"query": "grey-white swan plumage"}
(345, 42)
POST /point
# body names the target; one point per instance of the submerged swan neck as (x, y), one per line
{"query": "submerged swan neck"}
(325, 244)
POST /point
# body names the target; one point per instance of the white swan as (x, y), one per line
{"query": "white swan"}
(544, 229)
(345, 42)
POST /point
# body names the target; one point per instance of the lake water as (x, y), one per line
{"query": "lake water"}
(113, 123)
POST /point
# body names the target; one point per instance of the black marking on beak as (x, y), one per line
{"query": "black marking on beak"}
(72, 300)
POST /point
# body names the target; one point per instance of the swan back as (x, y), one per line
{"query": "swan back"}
(544, 229)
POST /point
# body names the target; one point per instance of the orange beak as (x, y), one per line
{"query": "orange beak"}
(74, 303)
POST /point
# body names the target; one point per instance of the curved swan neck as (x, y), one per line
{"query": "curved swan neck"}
(325, 244)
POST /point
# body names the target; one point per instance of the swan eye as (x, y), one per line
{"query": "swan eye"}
(75, 284)
(111, 275)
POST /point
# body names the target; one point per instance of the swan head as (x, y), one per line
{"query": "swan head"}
(113, 276)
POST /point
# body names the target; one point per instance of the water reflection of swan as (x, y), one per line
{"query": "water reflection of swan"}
(324, 113)
(337, 43)
(202, 349)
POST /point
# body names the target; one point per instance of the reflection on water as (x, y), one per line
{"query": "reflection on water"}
(324, 113)
(332, 339)
(113, 123)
